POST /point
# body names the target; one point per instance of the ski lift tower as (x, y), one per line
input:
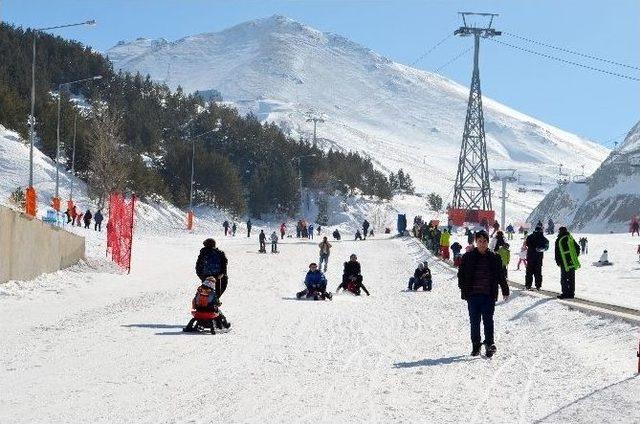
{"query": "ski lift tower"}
(472, 190)
(506, 175)
(314, 117)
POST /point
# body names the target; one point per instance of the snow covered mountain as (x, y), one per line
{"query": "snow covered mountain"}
(401, 117)
(606, 201)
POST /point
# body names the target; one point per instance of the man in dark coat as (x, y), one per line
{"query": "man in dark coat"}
(212, 262)
(352, 274)
(87, 219)
(97, 219)
(365, 228)
(225, 224)
(536, 243)
(249, 228)
(262, 238)
(479, 276)
(567, 266)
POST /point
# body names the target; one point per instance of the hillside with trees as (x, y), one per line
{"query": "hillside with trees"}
(135, 135)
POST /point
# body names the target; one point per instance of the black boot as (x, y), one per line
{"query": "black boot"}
(476, 350)
(490, 350)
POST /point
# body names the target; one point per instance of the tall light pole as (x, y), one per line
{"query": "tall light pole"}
(299, 158)
(506, 175)
(56, 198)
(193, 156)
(73, 156)
(31, 192)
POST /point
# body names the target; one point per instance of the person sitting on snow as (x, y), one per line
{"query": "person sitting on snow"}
(604, 260)
(351, 277)
(421, 278)
(336, 234)
(358, 235)
(315, 284)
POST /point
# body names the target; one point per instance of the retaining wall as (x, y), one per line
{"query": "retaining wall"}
(30, 247)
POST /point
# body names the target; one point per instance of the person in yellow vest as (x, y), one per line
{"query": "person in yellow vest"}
(444, 244)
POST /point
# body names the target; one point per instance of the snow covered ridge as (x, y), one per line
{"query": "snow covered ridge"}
(400, 117)
(608, 199)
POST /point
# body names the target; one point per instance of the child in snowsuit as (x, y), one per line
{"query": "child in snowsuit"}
(522, 257)
(456, 248)
(206, 301)
(421, 278)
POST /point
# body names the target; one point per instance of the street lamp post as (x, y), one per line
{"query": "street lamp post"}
(73, 155)
(193, 155)
(31, 192)
(56, 198)
(299, 159)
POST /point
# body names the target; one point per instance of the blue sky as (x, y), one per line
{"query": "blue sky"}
(581, 101)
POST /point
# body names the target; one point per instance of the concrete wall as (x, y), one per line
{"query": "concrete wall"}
(30, 247)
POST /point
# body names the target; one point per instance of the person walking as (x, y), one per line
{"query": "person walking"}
(234, 228)
(510, 232)
(87, 219)
(584, 245)
(274, 242)
(566, 255)
(262, 239)
(536, 243)
(479, 276)
(283, 230)
(212, 262)
(365, 228)
(444, 244)
(225, 224)
(325, 250)
(249, 225)
(522, 256)
(311, 231)
(97, 219)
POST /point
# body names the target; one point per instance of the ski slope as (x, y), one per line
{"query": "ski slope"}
(89, 344)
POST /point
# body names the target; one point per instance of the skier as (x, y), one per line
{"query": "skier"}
(249, 225)
(479, 276)
(536, 243)
(456, 248)
(87, 219)
(444, 244)
(510, 232)
(325, 250)
(225, 224)
(584, 245)
(352, 277)
(311, 231)
(566, 255)
(421, 278)
(522, 256)
(212, 262)
(97, 219)
(336, 234)
(274, 242)
(316, 284)
(262, 238)
(234, 227)
(283, 230)
(365, 228)
(358, 235)
(206, 310)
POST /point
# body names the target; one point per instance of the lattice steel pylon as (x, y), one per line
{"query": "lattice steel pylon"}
(472, 188)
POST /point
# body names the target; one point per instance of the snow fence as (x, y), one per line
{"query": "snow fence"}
(30, 247)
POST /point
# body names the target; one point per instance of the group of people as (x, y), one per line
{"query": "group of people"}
(315, 280)
(76, 218)
(304, 229)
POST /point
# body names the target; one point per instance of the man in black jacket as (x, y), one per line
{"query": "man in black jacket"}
(212, 262)
(566, 255)
(479, 276)
(536, 243)
(351, 277)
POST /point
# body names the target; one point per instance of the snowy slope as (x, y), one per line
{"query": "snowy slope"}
(401, 117)
(608, 200)
(94, 346)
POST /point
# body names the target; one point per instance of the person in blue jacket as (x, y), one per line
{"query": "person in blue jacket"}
(315, 284)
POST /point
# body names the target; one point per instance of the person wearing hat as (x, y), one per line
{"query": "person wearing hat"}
(212, 262)
(352, 277)
(566, 255)
(536, 244)
(315, 284)
(479, 276)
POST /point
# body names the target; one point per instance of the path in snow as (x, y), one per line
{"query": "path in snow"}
(109, 348)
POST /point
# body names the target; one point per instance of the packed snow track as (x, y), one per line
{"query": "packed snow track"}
(92, 345)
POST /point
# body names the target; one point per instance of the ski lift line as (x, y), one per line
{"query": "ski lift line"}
(612, 62)
(435, 46)
(566, 61)
(465, 51)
